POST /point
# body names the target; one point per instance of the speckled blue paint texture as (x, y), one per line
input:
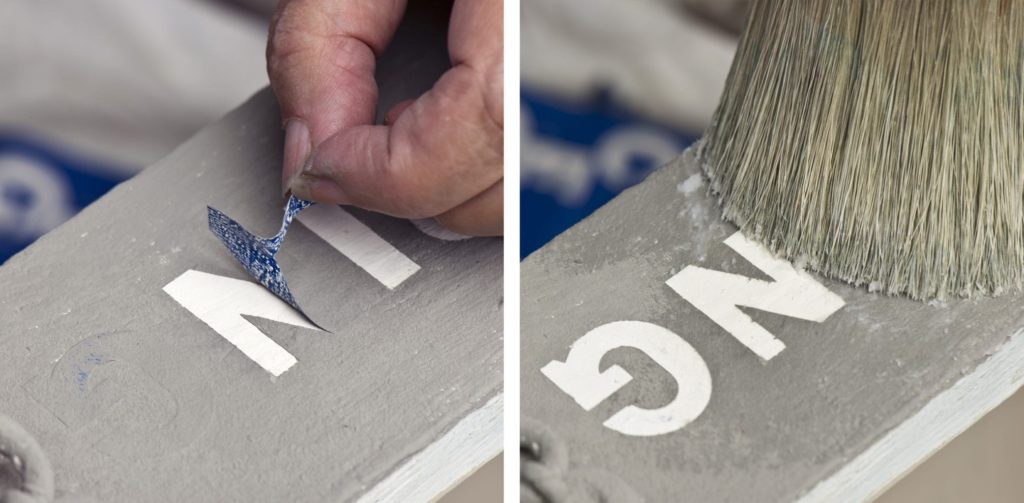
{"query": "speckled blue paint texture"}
(258, 255)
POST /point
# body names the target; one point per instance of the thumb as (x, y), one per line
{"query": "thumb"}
(321, 57)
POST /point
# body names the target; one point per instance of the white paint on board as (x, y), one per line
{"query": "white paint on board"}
(691, 185)
(581, 378)
(429, 474)
(359, 243)
(719, 294)
(220, 302)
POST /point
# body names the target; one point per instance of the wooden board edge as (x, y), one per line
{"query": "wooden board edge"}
(942, 419)
(438, 468)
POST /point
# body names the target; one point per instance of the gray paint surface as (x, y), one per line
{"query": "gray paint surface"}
(772, 430)
(133, 398)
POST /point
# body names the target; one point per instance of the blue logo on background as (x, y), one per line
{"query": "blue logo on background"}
(576, 158)
(41, 187)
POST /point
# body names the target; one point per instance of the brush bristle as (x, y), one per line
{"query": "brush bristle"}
(879, 141)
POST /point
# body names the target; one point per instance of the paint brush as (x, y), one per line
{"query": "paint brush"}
(879, 142)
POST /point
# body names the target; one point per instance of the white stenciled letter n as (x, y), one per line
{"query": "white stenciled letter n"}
(717, 294)
(220, 302)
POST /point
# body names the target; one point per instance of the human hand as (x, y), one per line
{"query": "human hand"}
(439, 156)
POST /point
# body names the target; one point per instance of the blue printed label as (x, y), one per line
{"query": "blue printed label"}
(259, 255)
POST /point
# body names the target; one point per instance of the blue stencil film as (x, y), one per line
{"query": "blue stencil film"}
(258, 255)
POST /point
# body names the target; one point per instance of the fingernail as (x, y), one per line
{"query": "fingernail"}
(303, 184)
(297, 148)
(315, 177)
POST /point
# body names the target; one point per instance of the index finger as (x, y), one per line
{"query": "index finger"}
(321, 57)
(442, 150)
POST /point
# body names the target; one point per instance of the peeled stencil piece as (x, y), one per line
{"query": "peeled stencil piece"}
(256, 254)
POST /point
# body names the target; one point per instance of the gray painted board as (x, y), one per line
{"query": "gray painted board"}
(855, 390)
(135, 398)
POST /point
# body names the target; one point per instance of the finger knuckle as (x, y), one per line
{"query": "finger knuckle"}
(410, 197)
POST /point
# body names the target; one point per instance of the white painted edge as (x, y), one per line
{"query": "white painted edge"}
(942, 419)
(432, 472)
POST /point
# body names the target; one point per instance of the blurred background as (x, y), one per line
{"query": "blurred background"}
(610, 91)
(92, 92)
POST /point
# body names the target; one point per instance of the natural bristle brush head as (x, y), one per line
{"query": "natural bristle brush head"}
(879, 142)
